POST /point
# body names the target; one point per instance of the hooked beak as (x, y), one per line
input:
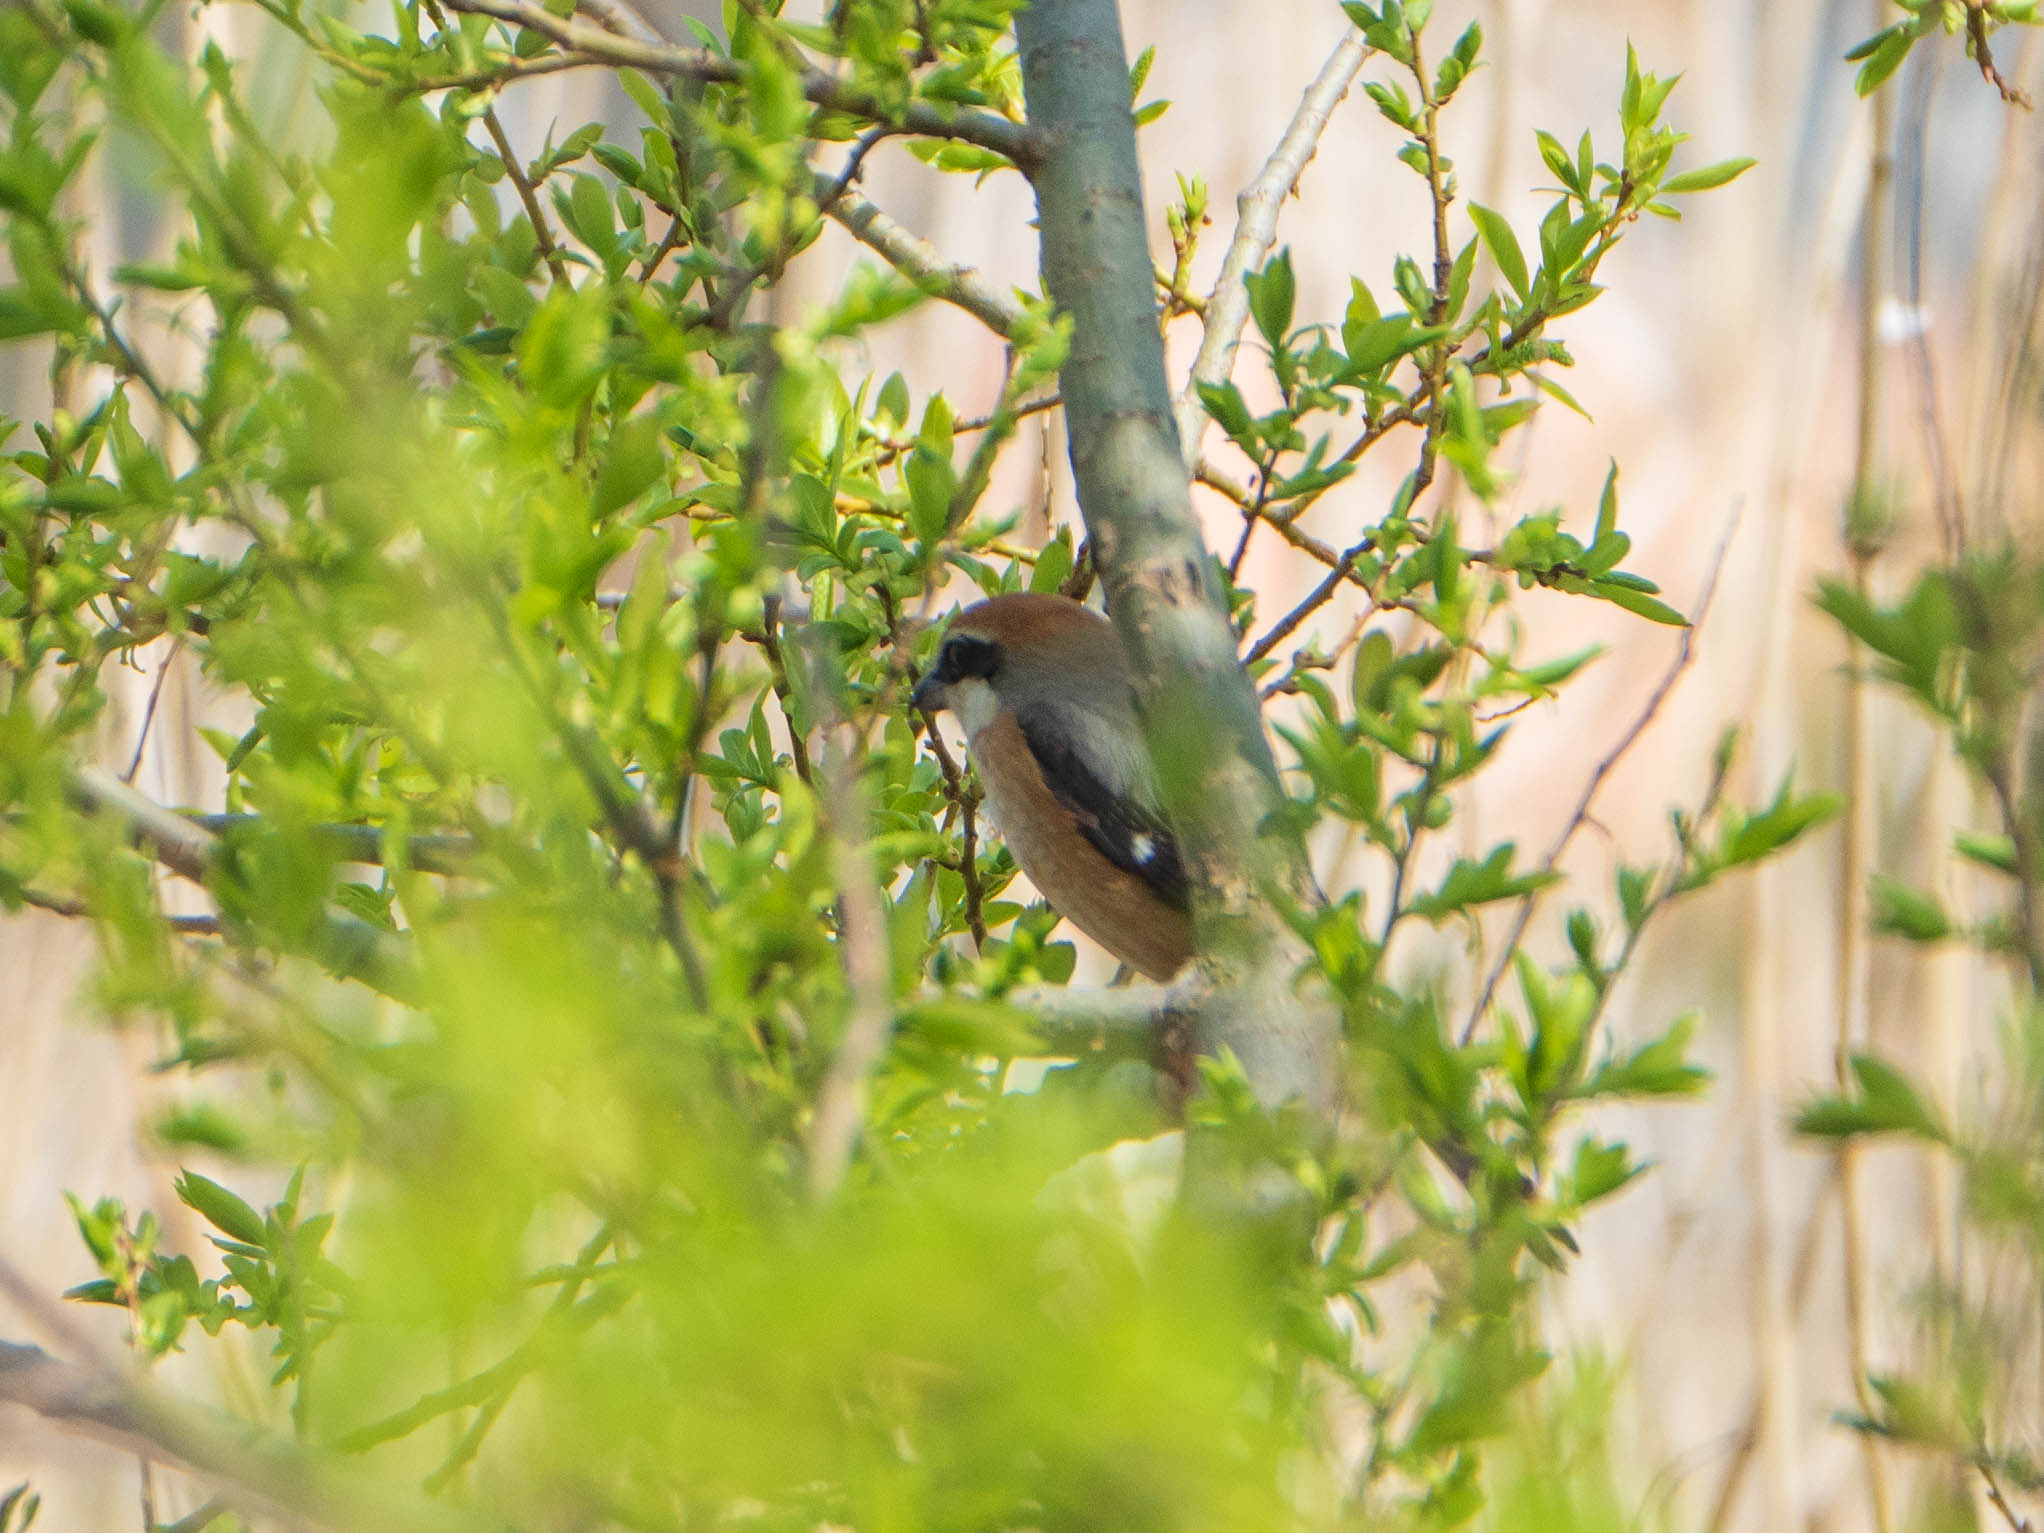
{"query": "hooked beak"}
(928, 696)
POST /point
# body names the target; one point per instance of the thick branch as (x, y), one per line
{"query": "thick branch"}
(1256, 218)
(986, 129)
(346, 947)
(364, 843)
(267, 1476)
(1200, 712)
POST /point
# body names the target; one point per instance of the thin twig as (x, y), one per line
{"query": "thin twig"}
(542, 232)
(1256, 219)
(964, 798)
(1255, 513)
(149, 710)
(893, 447)
(1641, 721)
(1999, 1501)
(827, 190)
(777, 669)
(1983, 56)
(1285, 626)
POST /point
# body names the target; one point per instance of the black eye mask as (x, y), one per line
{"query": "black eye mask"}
(966, 656)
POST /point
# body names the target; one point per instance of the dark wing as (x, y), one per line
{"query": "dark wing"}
(1125, 833)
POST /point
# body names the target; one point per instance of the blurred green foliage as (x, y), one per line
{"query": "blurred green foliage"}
(1963, 643)
(564, 606)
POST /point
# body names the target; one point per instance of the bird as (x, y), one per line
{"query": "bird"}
(1041, 685)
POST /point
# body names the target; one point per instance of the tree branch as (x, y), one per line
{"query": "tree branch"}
(346, 947)
(965, 287)
(1199, 710)
(266, 1476)
(1256, 219)
(443, 854)
(985, 129)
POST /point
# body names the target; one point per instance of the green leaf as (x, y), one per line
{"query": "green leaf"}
(1373, 660)
(1916, 915)
(1884, 54)
(931, 483)
(1706, 178)
(1478, 883)
(1272, 292)
(636, 459)
(1659, 1068)
(1885, 1104)
(1379, 341)
(562, 352)
(1748, 839)
(1996, 852)
(892, 402)
(1637, 602)
(1600, 1169)
(1053, 564)
(1496, 232)
(220, 1208)
(1224, 402)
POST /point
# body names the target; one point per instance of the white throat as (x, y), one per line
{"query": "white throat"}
(973, 701)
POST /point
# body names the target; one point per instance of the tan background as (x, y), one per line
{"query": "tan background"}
(1721, 370)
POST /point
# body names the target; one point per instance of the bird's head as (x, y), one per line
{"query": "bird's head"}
(1020, 652)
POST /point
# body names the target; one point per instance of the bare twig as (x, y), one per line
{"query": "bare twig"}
(149, 710)
(1256, 210)
(1983, 56)
(894, 446)
(1998, 1500)
(1285, 626)
(1640, 723)
(186, 849)
(1255, 513)
(964, 287)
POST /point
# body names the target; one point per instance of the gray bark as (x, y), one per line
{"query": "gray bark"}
(1199, 709)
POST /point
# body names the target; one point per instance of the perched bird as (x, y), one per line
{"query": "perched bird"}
(1042, 687)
